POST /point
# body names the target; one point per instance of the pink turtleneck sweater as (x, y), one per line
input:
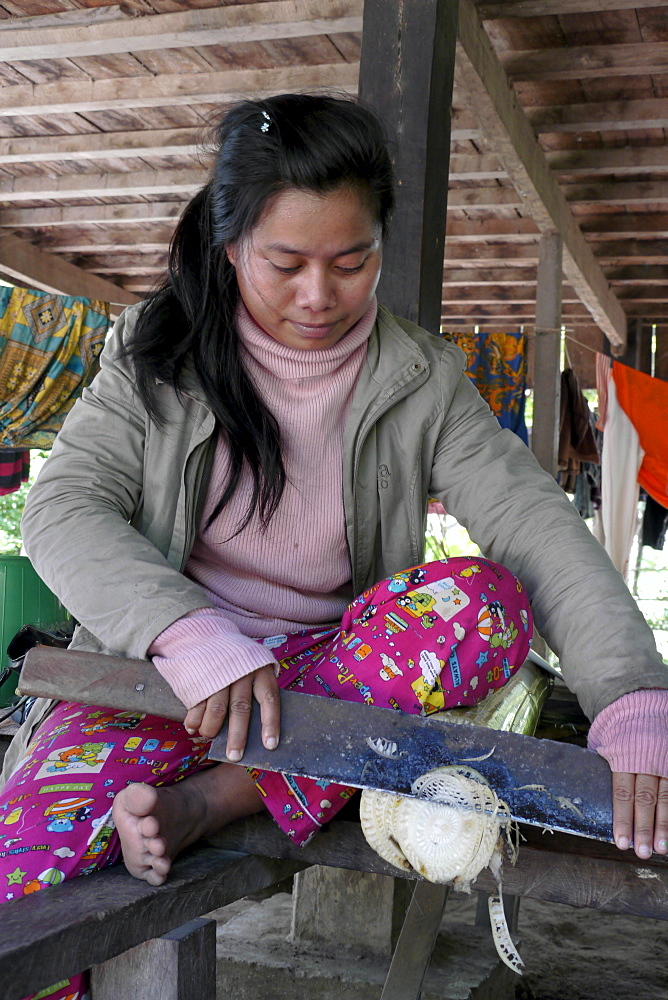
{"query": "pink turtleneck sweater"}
(297, 574)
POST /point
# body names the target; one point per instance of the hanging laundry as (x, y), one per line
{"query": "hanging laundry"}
(645, 401)
(49, 349)
(496, 364)
(14, 470)
(654, 524)
(576, 436)
(620, 463)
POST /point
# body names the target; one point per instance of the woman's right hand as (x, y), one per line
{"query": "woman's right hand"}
(235, 702)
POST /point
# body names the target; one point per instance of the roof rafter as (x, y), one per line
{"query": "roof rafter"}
(121, 93)
(541, 8)
(27, 264)
(503, 122)
(210, 26)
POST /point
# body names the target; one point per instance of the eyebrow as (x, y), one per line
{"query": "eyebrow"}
(364, 245)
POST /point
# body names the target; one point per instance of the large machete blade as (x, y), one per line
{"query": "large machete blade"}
(549, 784)
(545, 783)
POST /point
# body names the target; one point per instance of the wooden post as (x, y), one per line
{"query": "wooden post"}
(334, 905)
(180, 965)
(406, 74)
(638, 353)
(547, 365)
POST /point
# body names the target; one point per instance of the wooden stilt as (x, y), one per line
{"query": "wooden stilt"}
(180, 965)
(547, 367)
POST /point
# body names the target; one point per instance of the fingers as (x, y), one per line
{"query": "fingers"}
(661, 819)
(267, 694)
(193, 719)
(623, 786)
(262, 686)
(640, 813)
(214, 713)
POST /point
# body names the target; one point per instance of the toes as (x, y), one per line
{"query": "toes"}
(149, 827)
(153, 877)
(161, 866)
(156, 846)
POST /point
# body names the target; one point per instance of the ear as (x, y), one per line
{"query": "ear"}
(231, 251)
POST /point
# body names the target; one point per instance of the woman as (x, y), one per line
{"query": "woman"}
(259, 448)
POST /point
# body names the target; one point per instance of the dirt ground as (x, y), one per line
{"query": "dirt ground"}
(577, 954)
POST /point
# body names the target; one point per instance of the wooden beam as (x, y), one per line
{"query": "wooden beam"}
(622, 192)
(608, 226)
(110, 185)
(101, 145)
(122, 93)
(28, 265)
(504, 124)
(560, 868)
(85, 215)
(599, 226)
(491, 294)
(65, 17)
(139, 240)
(627, 160)
(603, 116)
(406, 73)
(473, 277)
(75, 929)
(637, 274)
(597, 192)
(587, 62)
(248, 22)
(545, 8)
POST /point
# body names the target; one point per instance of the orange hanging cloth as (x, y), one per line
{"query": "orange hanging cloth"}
(645, 401)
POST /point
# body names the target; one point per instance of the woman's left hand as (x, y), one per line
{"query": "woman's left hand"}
(640, 813)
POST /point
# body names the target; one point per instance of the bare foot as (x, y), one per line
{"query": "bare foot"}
(156, 824)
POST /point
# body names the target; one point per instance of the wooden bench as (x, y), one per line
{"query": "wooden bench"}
(85, 923)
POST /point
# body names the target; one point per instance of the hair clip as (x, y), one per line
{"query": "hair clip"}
(264, 127)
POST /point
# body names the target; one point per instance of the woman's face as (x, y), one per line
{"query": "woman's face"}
(309, 269)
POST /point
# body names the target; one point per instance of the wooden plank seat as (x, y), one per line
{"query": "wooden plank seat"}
(50, 935)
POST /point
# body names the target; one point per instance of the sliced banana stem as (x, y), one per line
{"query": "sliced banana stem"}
(457, 826)
(503, 942)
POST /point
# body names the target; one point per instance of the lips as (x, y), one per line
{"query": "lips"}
(320, 332)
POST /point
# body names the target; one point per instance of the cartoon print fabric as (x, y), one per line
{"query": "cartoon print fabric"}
(432, 637)
(55, 810)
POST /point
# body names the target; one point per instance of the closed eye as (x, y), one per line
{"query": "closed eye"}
(285, 270)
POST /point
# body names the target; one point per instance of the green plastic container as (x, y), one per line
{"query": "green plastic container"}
(24, 600)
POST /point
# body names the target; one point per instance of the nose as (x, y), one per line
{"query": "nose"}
(315, 289)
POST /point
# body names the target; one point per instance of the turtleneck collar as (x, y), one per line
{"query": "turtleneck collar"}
(293, 363)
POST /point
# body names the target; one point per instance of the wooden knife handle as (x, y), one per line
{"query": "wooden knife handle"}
(97, 679)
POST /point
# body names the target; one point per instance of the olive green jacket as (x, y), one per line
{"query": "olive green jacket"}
(112, 518)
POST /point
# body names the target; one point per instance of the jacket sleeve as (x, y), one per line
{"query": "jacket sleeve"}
(76, 526)
(520, 517)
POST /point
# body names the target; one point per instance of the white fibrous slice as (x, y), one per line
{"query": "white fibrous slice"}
(439, 840)
(450, 832)
(377, 811)
(453, 830)
(503, 942)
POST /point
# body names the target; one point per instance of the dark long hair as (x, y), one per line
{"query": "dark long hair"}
(314, 143)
